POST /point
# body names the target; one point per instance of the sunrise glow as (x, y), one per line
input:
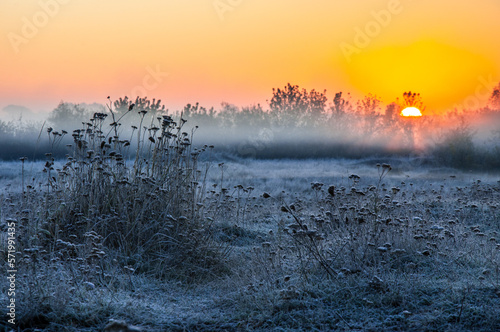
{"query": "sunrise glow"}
(237, 51)
(411, 111)
(212, 160)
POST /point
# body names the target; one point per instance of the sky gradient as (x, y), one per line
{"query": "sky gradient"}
(236, 51)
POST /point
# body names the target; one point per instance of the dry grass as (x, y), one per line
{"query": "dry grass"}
(142, 232)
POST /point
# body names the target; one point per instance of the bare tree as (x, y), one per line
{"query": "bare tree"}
(412, 99)
(292, 106)
(495, 98)
(368, 110)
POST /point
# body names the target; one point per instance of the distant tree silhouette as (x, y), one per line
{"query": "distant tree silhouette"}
(69, 114)
(409, 127)
(495, 98)
(288, 104)
(4, 128)
(391, 115)
(153, 107)
(340, 111)
(253, 116)
(292, 106)
(412, 100)
(340, 105)
(316, 107)
(199, 114)
(227, 115)
(368, 110)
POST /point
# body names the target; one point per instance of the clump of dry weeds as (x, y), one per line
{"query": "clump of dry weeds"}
(378, 257)
(115, 208)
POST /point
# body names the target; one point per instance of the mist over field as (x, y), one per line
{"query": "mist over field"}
(295, 124)
(301, 214)
(159, 173)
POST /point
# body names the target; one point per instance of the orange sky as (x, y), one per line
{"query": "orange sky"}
(238, 50)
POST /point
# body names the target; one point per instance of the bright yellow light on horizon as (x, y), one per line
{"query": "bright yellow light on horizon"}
(50, 53)
(425, 65)
(411, 111)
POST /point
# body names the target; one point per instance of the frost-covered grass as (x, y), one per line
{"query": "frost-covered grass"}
(171, 242)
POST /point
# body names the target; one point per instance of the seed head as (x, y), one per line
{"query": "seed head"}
(331, 190)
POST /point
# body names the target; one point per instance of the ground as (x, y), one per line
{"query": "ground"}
(372, 245)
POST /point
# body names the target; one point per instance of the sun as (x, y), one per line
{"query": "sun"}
(411, 111)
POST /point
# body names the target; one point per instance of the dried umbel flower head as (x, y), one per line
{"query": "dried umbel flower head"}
(354, 177)
(331, 191)
(316, 185)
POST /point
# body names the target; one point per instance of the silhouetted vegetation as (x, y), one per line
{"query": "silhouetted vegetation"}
(133, 224)
(296, 123)
(495, 98)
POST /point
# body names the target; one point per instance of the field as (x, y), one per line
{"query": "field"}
(228, 244)
(232, 165)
